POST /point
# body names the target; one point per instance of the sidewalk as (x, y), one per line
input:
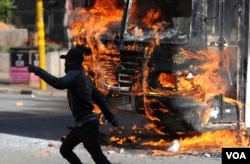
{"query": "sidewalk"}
(7, 87)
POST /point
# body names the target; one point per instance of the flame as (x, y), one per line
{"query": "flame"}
(215, 140)
(167, 80)
(212, 141)
(122, 140)
(151, 20)
(210, 79)
(87, 25)
(90, 23)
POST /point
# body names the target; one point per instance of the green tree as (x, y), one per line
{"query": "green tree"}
(6, 10)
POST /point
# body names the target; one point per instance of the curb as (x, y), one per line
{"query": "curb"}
(26, 90)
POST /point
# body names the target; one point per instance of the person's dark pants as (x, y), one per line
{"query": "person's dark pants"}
(88, 134)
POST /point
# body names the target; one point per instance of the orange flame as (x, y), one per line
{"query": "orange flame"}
(206, 142)
(167, 80)
(93, 22)
(88, 24)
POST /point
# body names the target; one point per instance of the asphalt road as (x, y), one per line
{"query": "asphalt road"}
(31, 127)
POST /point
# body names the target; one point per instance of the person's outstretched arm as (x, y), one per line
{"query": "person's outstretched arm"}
(58, 83)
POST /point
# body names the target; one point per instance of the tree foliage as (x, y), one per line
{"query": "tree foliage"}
(6, 10)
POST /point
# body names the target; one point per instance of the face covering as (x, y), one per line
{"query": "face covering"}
(72, 65)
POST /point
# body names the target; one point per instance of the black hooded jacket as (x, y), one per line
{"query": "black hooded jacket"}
(81, 92)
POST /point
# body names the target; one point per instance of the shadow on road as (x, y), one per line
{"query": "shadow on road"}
(30, 125)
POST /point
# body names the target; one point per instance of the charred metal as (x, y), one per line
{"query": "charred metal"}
(156, 73)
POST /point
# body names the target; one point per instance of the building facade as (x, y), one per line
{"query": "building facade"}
(25, 17)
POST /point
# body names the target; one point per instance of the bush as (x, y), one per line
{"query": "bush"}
(6, 10)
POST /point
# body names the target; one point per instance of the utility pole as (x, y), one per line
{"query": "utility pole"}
(41, 39)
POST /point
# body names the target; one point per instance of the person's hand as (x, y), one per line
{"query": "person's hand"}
(114, 122)
(31, 68)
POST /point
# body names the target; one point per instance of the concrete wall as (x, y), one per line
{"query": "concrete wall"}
(13, 37)
(4, 62)
(54, 64)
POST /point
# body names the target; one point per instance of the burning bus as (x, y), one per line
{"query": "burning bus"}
(181, 64)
